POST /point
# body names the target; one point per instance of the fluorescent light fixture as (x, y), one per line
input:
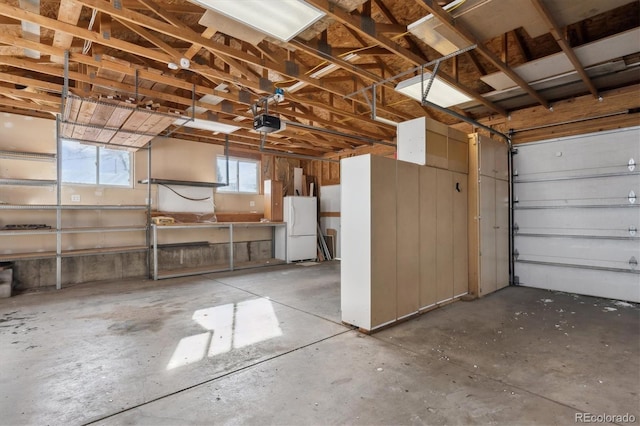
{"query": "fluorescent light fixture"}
(212, 126)
(281, 19)
(441, 93)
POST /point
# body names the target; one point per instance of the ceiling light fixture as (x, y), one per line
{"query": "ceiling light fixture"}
(441, 93)
(281, 19)
(212, 126)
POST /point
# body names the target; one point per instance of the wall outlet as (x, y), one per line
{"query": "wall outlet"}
(75, 198)
(252, 203)
(146, 201)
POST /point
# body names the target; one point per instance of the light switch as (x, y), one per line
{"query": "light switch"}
(252, 203)
(75, 198)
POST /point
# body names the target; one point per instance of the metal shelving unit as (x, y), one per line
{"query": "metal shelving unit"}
(59, 208)
(229, 225)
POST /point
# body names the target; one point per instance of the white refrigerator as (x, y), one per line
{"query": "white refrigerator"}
(298, 240)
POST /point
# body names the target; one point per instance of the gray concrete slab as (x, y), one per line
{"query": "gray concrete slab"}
(75, 355)
(314, 288)
(266, 347)
(577, 350)
(351, 379)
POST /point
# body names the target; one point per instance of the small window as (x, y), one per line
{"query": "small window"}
(243, 175)
(91, 165)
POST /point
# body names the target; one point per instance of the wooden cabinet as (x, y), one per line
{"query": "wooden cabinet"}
(488, 215)
(404, 239)
(407, 239)
(368, 266)
(273, 200)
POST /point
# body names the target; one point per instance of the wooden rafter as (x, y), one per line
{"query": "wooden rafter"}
(556, 32)
(460, 29)
(357, 24)
(295, 70)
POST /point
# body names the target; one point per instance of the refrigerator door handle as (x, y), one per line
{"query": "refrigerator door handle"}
(293, 218)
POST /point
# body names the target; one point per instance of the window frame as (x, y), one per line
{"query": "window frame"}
(97, 182)
(237, 159)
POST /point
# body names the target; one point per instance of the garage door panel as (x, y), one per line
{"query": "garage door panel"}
(611, 190)
(575, 220)
(606, 253)
(596, 153)
(614, 222)
(613, 285)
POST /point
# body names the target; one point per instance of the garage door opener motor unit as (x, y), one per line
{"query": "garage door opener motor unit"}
(266, 123)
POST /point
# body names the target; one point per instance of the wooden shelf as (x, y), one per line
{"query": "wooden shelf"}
(183, 183)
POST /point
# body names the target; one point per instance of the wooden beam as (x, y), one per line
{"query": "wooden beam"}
(291, 70)
(68, 12)
(92, 36)
(460, 29)
(55, 100)
(363, 27)
(155, 40)
(556, 32)
(412, 43)
(195, 47)
(153, 76)
(579, 115)
(29, 106)
(476, 62)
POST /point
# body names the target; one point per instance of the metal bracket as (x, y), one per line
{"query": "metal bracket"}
(633, 262)
(516, 280)
(632, 231)
(632, 197)
(425, 90)
(632, 164)
(516, 228)
(516, 254)
(514, 151)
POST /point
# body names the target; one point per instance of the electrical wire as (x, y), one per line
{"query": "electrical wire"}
(87, 43)
(184, 196)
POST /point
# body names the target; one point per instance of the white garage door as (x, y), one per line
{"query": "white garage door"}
(577, 214)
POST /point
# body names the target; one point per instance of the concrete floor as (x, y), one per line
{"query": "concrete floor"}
(267, 347)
